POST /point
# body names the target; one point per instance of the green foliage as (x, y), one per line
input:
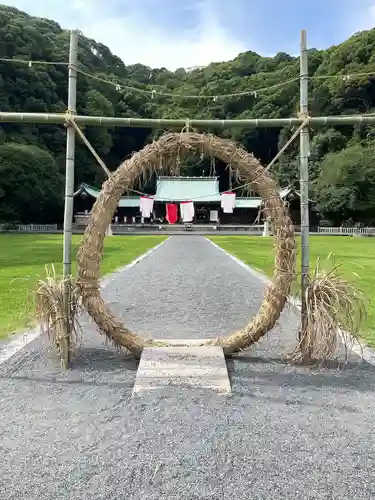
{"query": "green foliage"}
(43, 88)
(24, 258)
(30, 184)
(345, 186)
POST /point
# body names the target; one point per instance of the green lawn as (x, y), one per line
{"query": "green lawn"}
(22, 261)
(356, 254)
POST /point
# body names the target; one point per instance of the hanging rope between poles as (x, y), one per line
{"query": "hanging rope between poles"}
(69, 121)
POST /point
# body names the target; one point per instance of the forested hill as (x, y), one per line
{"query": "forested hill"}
(342, 161)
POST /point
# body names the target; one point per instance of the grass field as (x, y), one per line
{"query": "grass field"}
(357, 255)
(23, 259)
(22, 263)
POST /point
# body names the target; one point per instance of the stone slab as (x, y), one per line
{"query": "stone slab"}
(177, 366)
(178, 342)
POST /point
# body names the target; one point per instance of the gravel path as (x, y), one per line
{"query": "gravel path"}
(285, 433)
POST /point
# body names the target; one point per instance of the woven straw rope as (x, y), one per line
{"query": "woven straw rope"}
(143, 163)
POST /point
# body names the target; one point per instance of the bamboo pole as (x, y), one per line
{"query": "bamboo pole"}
(70, 154)
(69, 190)
(114, 121)
(304, 178)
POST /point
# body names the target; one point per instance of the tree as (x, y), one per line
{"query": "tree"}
(30, 184)
(345, 187)
(42, 88)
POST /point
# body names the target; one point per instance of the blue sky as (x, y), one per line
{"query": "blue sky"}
(188, 33)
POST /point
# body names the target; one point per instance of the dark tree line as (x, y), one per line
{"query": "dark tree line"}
(32, 157)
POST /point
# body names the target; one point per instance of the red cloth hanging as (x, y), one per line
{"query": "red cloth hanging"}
(171, 213)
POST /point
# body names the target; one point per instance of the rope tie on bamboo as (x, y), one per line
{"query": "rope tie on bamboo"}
(187, 128)
(69, 117)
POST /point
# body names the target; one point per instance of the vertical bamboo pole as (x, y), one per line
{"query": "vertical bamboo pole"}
(69, 190)
(304, 176)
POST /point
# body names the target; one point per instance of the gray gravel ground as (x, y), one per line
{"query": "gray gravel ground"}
(285, 433)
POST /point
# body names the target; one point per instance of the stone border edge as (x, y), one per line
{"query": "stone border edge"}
(24, 339)
(362, 350)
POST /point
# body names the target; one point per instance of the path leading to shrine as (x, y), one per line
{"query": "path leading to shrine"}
(284, 433)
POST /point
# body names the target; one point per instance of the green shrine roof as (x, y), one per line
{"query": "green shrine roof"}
(176, 189)
(197, 189)
(125, 201)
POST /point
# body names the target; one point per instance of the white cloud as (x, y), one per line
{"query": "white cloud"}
(360, 17)
(185, 33)
(369, 18)
(134, 36)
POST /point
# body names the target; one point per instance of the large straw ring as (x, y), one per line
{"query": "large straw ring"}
(144, 163)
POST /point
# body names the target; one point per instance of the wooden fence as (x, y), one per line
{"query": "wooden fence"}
(28, 228)
(365, 231)
(53, 228)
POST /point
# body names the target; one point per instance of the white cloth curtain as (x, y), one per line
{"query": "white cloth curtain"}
(146, 206)
(187, 211)
(228, 200)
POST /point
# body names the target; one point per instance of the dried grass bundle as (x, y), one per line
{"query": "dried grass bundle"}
(335, 312)
(57, 305)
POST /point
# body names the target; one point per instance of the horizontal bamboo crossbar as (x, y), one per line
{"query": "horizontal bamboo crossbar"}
(113, 121)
